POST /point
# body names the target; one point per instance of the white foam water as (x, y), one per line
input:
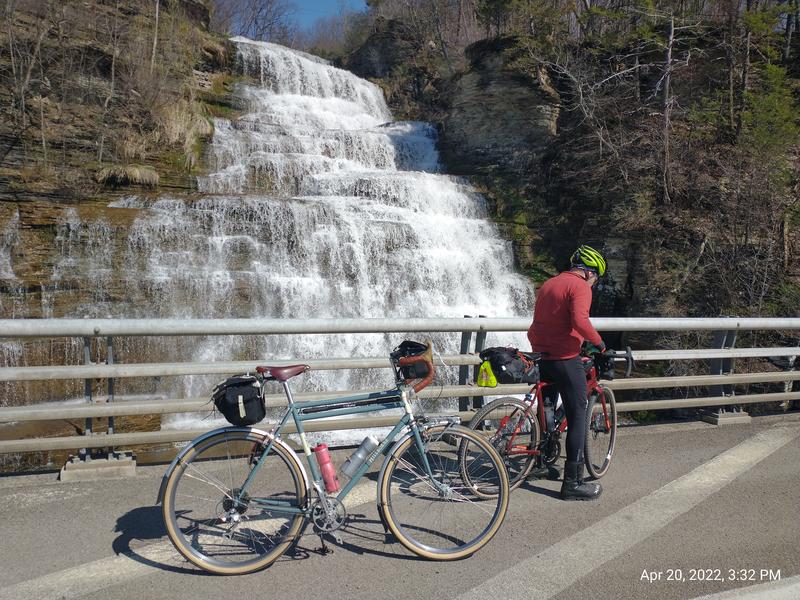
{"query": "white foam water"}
(9, 237)
(317, 206)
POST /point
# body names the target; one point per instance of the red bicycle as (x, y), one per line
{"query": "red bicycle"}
(515, 426)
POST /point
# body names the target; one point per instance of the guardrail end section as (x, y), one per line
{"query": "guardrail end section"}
(110, 466)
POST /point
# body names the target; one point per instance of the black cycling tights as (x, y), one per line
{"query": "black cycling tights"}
(570, 381)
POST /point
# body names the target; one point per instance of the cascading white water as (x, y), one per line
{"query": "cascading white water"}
(317, 206)
(8, 238)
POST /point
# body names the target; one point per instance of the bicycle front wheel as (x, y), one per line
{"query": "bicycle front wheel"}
(513, 430)
(426, 502)
(601, 432)
(221, 528)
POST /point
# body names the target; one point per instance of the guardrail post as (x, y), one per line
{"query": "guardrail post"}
(789, 365)
(87, 392)
(724, 366)
(101, 465)
(110, 361)
(463, 370)
(480, 340)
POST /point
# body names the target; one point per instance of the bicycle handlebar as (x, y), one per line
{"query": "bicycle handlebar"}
(410, 360)
(626, 355)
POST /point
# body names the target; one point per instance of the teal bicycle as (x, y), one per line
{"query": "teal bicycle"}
(237, 498)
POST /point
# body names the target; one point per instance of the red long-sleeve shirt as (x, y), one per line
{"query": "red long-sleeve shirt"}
(561, 317)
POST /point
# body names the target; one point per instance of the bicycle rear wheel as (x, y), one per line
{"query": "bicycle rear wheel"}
(216, 526)
(512, 430)
(438, 515)
(601, 432)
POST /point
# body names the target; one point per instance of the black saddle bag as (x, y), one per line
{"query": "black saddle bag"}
(240, 399)
(509, 365)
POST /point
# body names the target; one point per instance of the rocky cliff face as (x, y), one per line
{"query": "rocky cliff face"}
(195, 10)
(94, 105)
(498, 118)
(391, 44)
(498, 126)
(394, 57)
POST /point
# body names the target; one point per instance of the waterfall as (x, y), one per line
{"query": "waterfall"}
(317, 205)
(8, 239)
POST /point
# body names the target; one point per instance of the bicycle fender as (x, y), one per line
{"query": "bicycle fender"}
(266, 435)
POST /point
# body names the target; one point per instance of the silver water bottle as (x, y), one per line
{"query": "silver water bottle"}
(352, 464)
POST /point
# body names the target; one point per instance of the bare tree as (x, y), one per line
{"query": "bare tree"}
(791, 23)
(666, 107)
(747, 36)
(155, 38)
(257, 19)
(114, 34)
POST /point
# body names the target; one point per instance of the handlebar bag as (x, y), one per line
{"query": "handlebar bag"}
(240, 400)
(508, 365)
(410, 348)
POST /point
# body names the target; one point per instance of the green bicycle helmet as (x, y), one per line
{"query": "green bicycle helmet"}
(587, 257)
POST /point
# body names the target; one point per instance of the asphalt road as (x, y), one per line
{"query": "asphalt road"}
(688, 510)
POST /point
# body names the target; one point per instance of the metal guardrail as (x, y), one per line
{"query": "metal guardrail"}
(179, 327)
(107, 328)
(176, 369)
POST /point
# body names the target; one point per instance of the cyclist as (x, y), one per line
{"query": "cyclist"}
(560, 325)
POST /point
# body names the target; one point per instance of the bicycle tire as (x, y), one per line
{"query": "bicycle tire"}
(600, 437)
(199, 503)
(450, 521)
(517, 465)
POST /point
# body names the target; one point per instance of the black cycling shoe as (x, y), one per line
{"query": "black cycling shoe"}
(574, 488)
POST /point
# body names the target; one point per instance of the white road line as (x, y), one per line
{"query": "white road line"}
(563, 564)
(88, 578)
(786, 589)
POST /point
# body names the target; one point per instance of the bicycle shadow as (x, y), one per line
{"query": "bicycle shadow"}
(361, 536)
(371, 539)
(147, 524)
(144, 524)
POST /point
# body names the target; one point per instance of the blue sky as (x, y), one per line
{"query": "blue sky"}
(309, 11)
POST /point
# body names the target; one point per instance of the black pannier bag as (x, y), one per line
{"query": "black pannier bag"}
(509, 365)
(240, 400)
(409, 348)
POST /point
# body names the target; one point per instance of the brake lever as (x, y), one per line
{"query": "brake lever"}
(629, 360)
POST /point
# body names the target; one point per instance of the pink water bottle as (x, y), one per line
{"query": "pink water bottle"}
(327, 469)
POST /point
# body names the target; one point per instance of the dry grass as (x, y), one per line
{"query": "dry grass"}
(123, 175)
(132, 145)
(186, 122)
(214, 52)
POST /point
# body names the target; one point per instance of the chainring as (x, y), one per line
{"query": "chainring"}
(328, 521)
(551, 450)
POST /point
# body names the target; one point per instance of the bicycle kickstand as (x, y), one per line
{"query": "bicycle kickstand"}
(325, 549)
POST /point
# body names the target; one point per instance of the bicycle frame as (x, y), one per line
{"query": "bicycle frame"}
(321, 409)
(592, 386)
(333, 407)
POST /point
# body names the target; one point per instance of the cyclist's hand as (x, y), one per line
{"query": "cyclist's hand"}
(590, 348)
